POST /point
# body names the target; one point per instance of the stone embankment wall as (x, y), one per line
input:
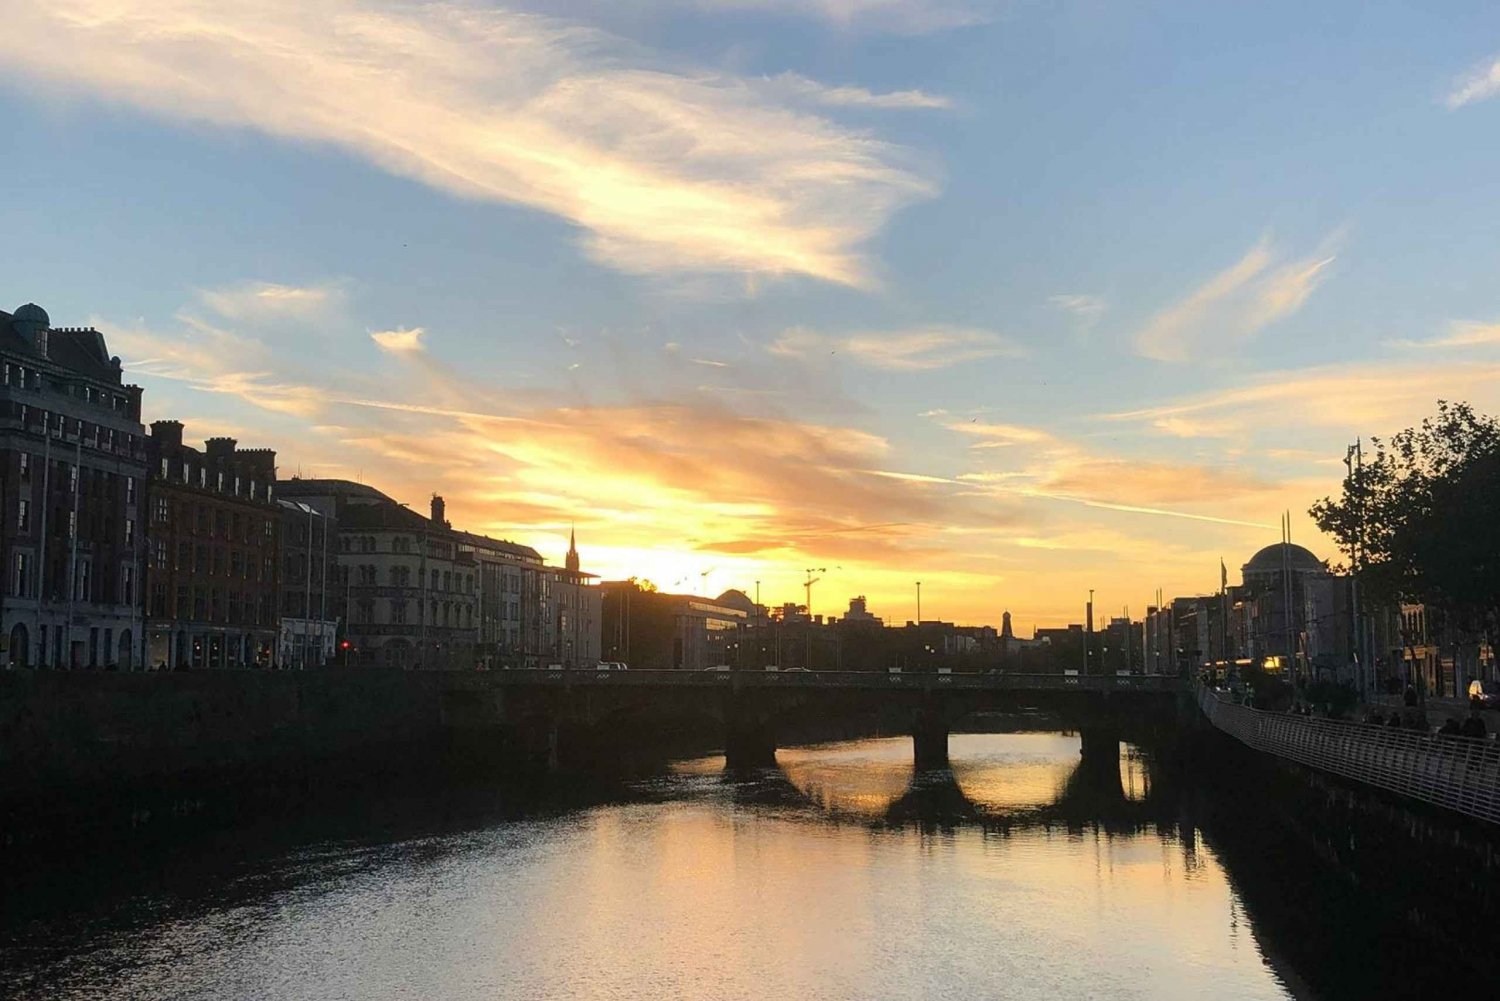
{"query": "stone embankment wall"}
(91, 750)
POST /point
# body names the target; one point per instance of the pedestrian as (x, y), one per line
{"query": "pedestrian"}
(1474, 726)
(1395, 721)
(1449, 728)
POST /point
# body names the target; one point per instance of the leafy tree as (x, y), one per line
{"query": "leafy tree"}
(1420, 519)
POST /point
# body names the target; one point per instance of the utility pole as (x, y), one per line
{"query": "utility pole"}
(1088, 636)
(73, 557)
(919, 603)
(811, 580)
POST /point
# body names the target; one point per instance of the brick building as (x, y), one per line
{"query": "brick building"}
(72, 463)
(213, 574)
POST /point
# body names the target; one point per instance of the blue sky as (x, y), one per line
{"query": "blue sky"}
(1018, 299)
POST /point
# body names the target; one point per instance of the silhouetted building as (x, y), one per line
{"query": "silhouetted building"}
(311, 599)
(72, 472)
(649, 629)
(411, 592)
(213, 576)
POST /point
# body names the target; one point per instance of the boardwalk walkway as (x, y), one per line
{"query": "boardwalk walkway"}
(1459, 773)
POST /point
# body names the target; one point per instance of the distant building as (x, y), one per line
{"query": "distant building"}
(72, 485)
(859, 613)
(650, 629)
(411, 593)
(312, 601)
(213, 577)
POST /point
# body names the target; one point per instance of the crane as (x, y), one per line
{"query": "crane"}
(811, 580)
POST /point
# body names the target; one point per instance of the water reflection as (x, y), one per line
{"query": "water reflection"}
(1023, 872)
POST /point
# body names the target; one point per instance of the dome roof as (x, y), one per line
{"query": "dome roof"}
(1269, 559)
(31, 313)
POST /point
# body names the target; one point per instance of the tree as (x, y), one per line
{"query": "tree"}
(1420, 521)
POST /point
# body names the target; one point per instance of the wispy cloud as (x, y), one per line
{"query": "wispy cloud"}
(1461, 334)
(1086, 308)
(914, 349)
(263, 301)
(1352, 399)
(1237, 303)
(1481, 82)
(901, 16)
(663, 170)
(796, 85)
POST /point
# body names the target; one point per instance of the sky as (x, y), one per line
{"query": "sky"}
(1016, 299)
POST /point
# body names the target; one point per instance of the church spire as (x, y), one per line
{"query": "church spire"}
(572, 559)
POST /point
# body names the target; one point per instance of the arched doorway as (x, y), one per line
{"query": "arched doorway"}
(20, 646)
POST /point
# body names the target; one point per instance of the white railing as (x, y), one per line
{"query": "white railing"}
(1460, 773)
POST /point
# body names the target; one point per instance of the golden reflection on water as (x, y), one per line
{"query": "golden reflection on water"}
(721, 889)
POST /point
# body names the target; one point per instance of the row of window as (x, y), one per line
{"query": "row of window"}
(60, 426)
(436, 548)
(401, 576)
(224, 483)
(213, 522)
(450, 614)
(213, 604)
(213, 561)
(24, 377)
(26, 582)
(83, 480)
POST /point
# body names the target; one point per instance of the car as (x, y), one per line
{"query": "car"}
(612, 665)
(1486, 692)
(717, 667)
(772, 667)
(797, 670)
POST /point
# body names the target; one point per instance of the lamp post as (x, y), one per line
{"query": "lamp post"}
(919, 603)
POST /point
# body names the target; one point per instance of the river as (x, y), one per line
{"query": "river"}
(833, 877)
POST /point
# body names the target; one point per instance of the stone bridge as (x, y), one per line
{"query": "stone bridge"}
(755, 711)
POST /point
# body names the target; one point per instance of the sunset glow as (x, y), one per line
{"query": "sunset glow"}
(952, 301)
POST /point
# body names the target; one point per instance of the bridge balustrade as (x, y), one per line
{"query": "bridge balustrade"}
(1459, 773)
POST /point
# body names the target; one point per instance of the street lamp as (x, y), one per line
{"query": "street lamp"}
(919, 603)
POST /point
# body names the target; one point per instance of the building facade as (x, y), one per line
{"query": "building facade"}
(72, 470)
(311, 599)
(212, 577)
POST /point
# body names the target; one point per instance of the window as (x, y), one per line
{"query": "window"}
(72, 523)
(25, 464)
(219, 481)
(127, 585)
(159, 598)
(129, 488)
(236, 564)
(398, 611)
(447, 581)
(163, 511)
(129, 531)
(161, 554)
(184, 608)
(200, 559)
(366, 574)
(23, 516)
(72, 478)
(365, 610)
(21, 586)
(184, 556)
(82, 590)
(434, 580)
(270, 529)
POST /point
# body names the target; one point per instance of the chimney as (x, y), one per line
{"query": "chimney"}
(167, 432)
(220, 447)
(439, 510)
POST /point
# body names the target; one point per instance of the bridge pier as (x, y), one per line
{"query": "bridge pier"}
(1100, 749)
(929, 737)
(748, 740)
